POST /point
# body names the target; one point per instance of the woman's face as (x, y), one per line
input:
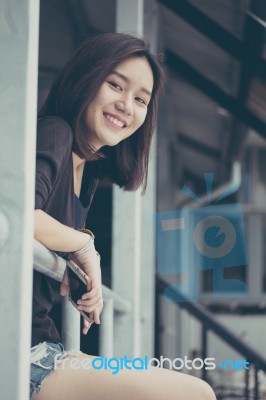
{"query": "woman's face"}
(121, 104)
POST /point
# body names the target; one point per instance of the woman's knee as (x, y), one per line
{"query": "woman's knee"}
(205, 391)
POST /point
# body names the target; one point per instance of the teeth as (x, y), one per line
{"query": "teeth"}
(114, 120)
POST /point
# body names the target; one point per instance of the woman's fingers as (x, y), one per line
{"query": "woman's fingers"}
(96, 316)
(92, 293)
(89, 309)
(91, 300)
(64, 287)
(90, 303)
(86, 326)
(89, 283)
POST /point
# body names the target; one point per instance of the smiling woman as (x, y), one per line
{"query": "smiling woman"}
(96, 123)
(98, 63)
(121, 104)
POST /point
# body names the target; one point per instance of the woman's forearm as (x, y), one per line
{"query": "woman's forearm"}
(56, 236)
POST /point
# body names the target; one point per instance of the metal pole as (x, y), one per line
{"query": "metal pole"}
(70, 325)
(127, 211)
(204, 348)
(246, 394)
(133, 253)
(256, 387)
(107, 329)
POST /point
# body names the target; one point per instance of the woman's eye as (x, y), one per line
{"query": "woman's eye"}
(115, 85)
(140, 100)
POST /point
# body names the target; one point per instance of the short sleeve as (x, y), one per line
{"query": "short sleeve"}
(53, 150)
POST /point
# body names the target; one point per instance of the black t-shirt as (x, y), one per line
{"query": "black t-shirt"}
(54, 194)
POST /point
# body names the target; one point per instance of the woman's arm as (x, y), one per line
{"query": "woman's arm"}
(59, 237)
(56, 236)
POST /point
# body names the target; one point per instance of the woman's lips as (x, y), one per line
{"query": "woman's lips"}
(114, 122)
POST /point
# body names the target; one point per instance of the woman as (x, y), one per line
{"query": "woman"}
(97, 123)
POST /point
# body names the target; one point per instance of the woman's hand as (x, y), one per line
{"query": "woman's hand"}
(64, 291)
(92, 301)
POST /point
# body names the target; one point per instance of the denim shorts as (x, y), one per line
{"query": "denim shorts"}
(43, 358)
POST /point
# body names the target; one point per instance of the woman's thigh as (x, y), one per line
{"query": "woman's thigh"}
(69, 381)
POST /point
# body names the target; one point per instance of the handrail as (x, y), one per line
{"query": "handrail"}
(50, 264)
(205, 317)
(229, 187)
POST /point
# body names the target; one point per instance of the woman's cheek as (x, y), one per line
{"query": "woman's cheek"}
(142, 119)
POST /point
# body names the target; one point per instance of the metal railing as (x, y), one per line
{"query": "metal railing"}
(50, 264)
(209, 323)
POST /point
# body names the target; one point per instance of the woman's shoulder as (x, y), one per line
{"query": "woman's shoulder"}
(54, 129)
(53, 122)
(54, 138)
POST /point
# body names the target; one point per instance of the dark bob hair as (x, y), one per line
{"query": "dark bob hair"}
(125, 164)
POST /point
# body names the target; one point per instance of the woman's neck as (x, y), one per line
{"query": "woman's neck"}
(77, 161)
(78, 168)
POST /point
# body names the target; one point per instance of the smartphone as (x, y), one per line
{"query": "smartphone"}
(78, 287)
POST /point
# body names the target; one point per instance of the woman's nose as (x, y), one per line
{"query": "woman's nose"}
(125, 105)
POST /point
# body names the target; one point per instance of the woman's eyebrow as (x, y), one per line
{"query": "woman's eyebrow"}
(124, 78)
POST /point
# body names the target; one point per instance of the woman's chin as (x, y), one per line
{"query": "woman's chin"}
(112, 143)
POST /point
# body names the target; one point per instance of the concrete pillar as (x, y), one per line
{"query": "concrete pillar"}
(133, 256)
(18, 104)
(70, 325)
(107, 329)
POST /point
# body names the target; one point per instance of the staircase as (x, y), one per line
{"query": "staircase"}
(246, 384)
